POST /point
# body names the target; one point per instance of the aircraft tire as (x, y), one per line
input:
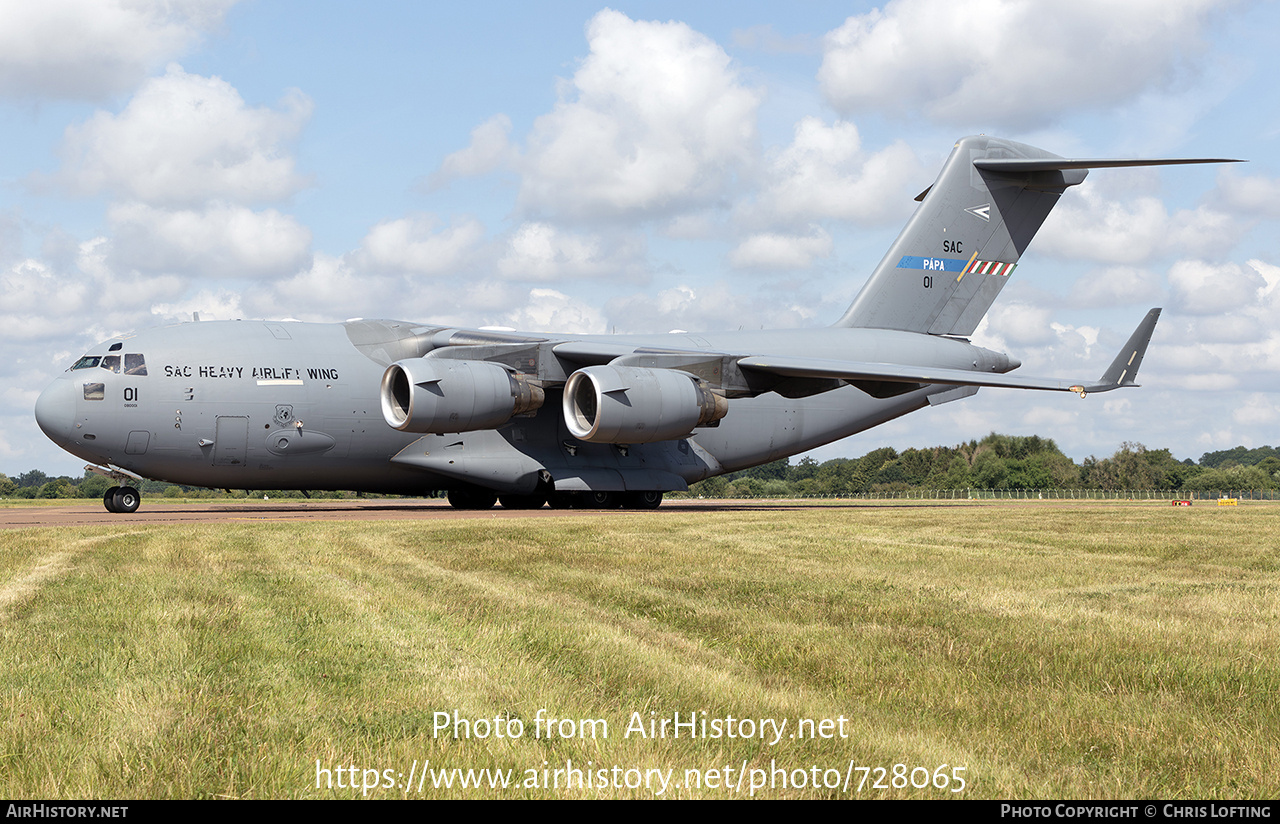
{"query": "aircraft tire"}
(598, 500)
(109, 499)
(475, 498)
(531, 501)
(649, 499)
(127, 499)
(560, 500)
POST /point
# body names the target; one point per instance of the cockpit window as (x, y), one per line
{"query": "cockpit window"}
(94, 391)
(135, 365)
(87, 362)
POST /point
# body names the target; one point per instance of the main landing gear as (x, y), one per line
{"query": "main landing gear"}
(472, 498)
(606, 500)
(122, 499)
(477, 498)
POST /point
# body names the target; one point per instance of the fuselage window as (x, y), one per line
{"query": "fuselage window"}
(135, 365)
(87, 362)
(95, 391)
(111, 363)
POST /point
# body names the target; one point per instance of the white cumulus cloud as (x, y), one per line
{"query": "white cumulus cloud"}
(184, 139)
(490, 148)
(1115, 286)
(654, 120)
(89, 49)
(1015, 63)
(1202, 288)
(1258, 410)
(1249, 195)
(540, 251)
(220, 240)
(770, 250)
(714, 307)
(417, 245)
(84, 302)
(825, 173)
(1089, 225)
(552, 311)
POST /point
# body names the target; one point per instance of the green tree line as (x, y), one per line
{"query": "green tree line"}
(1002, 462)
(36, 484)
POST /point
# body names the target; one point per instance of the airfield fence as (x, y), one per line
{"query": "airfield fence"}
(1102, 494)
(1025, 494)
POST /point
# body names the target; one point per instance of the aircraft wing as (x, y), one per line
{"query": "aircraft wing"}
(1122, 372)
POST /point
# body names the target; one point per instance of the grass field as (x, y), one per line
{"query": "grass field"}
(1102, 650)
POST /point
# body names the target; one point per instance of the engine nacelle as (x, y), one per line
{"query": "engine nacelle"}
(440, 395)
(624, 404)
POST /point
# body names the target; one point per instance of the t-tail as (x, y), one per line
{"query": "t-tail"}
(959, 248)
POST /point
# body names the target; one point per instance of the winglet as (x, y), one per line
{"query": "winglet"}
(1124, 369)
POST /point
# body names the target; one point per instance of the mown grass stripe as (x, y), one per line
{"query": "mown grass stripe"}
(1113, 650)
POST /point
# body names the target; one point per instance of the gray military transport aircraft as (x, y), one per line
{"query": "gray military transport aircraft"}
(573, 420)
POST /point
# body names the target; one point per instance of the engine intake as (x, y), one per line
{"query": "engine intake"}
(622, 404)
(442, 396)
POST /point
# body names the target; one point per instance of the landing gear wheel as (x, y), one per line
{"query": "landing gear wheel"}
(534, 500)
(474, 498)
(127, 499)
(648, 499)
(561, 500)
(598, 500)
(109, 499)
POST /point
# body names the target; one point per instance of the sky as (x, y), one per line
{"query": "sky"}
(642, 167)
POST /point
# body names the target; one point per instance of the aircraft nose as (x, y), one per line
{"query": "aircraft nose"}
(56, 410)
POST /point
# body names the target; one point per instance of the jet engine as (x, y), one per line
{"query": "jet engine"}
(440, 396)
(622, 404)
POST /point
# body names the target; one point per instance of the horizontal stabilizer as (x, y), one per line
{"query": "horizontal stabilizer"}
(1061, 164)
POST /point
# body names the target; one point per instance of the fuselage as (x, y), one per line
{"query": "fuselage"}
(287, 405)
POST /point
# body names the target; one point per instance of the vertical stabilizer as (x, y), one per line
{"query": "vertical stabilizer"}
(959, 248)
(956, 253)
